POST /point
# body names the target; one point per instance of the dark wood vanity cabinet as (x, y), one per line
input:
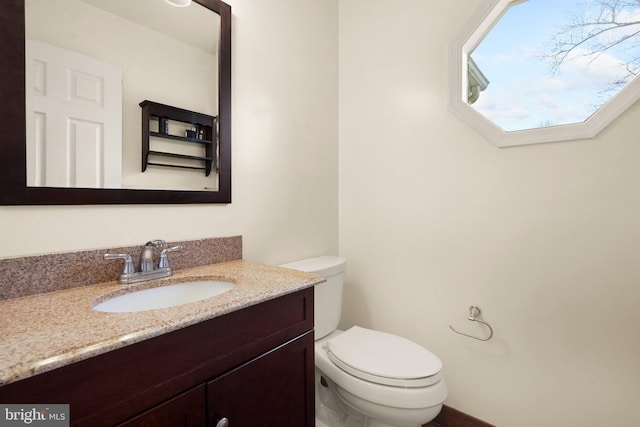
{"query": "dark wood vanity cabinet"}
(252, 366)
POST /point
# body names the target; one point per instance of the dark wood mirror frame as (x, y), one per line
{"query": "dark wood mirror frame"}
(13, 177)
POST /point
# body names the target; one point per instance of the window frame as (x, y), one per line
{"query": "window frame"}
(472, 33)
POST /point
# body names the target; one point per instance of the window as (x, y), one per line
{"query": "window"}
(540, 71)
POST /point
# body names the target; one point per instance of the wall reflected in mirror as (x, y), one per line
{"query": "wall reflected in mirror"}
(165, 54)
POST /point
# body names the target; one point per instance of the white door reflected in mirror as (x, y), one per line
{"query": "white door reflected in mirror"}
(74, 119)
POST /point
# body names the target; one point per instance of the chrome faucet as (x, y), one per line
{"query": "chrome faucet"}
(148, 270)
(146, 256)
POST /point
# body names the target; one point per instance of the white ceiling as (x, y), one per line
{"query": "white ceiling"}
(195, 25)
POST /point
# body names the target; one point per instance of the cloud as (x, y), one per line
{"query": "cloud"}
(599, 65)
(501, 108)
(548, 101)
(517, 55)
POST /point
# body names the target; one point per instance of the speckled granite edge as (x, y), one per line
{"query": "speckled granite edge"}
(43, 332)
(32, 275)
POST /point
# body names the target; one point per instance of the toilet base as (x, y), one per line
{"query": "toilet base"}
(332, 410)
(329, 412)
(376, 416)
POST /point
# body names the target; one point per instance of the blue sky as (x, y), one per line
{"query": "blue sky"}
(523, 92)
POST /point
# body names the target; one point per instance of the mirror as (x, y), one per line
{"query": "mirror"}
(526, 71)
(13, 152)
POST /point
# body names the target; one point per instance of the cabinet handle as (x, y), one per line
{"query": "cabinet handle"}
(224, 422)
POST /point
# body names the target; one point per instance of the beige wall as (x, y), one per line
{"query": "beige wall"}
(284, 153)
(433, 218)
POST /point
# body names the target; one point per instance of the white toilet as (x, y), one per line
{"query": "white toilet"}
(367, 378)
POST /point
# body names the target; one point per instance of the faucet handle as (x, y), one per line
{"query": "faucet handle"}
(128, 262)
(164, 259)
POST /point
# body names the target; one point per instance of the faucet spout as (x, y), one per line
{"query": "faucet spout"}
(146, 257)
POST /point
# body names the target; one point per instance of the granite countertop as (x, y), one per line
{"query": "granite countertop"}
(39, 333)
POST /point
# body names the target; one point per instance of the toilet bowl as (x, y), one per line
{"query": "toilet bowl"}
(367, 378)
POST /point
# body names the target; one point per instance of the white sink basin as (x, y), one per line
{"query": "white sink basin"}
(164, 296)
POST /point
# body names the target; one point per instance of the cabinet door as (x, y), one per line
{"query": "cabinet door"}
(275, 389)
(184, 410)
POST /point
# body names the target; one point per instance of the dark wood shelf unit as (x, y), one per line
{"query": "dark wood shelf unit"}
(154, 111)
(176, 166)
(179, 156)
(180, 138)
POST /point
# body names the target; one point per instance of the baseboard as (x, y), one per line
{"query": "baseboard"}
(450, 417)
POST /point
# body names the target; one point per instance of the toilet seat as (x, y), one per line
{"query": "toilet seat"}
(384, 358)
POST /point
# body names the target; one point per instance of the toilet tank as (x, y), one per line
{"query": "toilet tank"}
(327, 304)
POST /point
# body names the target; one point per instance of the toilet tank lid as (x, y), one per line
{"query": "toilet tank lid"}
(326, 265)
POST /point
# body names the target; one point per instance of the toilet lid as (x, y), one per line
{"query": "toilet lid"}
(384, 358)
